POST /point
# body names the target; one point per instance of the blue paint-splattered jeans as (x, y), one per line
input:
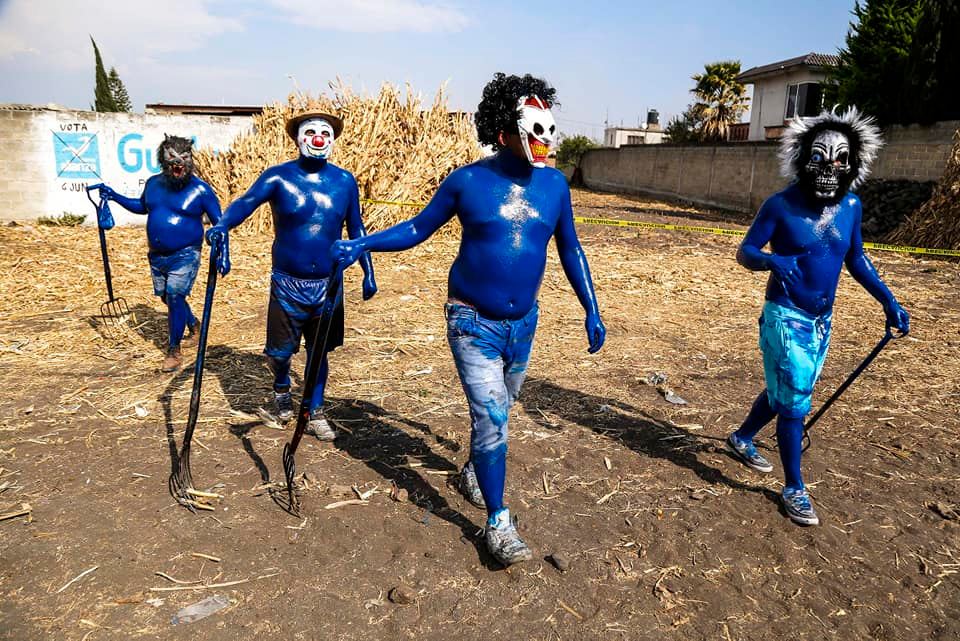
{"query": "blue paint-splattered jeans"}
(491, 358)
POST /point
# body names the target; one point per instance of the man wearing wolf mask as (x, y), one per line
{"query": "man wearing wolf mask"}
(813, 228)
(175, 202)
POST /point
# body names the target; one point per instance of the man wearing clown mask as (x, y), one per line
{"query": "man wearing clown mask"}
(813, 229)
(510, 205)
(311, 200)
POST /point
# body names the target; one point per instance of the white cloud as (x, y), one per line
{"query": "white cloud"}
(57, 32)
(369, 16)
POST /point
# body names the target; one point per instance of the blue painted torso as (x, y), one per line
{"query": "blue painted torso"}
(175, 217)
(820, 237)
(310, 201)
(509, 212)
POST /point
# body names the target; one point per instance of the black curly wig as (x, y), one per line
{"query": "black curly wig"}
(498, 110)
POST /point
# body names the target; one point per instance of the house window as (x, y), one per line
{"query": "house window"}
(634, 140)
(804, 99)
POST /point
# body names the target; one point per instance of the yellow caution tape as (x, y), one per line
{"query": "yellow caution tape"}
(698, 229)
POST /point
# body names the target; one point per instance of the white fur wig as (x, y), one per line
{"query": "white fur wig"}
(860, 130)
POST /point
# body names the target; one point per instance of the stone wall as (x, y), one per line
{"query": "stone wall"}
(739, 176)
(50, 156)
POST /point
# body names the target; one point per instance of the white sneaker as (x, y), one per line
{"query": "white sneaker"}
(504, 541)
(319, 426)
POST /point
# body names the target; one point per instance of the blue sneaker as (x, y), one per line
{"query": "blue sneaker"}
(798, 506)
(746, 452)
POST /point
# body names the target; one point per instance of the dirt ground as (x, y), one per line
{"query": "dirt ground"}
(665, 536)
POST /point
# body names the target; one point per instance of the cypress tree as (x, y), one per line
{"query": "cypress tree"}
(102, 96)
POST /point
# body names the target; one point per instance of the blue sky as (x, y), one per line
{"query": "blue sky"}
(605, 58)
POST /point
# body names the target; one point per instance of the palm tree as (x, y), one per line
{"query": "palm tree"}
(720, 98)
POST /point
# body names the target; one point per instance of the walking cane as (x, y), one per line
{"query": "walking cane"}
(181, 481)
(887, 337)
(115, 310)
(315, 357)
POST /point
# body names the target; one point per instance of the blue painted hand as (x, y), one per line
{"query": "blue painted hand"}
(596, 333)
(219, 241)
(346, 253)
(369, 286)
(898, 318)
(785, 268)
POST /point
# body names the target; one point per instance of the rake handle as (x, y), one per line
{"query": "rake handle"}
(103, 252)
(201, 354)
(315, 356)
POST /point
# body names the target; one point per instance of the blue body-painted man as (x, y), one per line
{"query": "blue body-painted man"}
(311, 200)
(813, 228)
(175, 202)
(510, 205)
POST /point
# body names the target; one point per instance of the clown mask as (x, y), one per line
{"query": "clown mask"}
(315, 138)
(537, 129)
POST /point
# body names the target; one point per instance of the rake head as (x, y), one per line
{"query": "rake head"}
(114, 312)
(181, 481)
(289, 471)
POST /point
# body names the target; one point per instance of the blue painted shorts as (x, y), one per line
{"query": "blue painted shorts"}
(794, 345)
(491, 358)
(175, 272)
(294, 309)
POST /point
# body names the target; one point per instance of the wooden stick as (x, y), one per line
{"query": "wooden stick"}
(76, 578)
(24, 510)
(347, 502)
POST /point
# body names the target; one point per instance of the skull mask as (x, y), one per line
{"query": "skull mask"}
(315, 138)
(827, 173)
(537, 129)
(176, 160)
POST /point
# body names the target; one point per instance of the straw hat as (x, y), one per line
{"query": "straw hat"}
(294, 123)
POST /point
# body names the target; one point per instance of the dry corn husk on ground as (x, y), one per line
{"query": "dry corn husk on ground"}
(398, 149)
(937, 222)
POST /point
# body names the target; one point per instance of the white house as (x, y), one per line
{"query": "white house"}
(784, 90)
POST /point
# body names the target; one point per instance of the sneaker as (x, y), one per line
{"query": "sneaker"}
(173, 361)
(503, 541)
(319, 426)
(746, 452)
(469, 486)
(798, 506)
(284, 403)
(190, 336)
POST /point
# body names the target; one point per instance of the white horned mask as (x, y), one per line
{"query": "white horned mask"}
(315, 138)
(537, 129)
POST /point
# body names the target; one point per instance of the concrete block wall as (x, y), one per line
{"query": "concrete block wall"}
(51, 156)
(739, 176)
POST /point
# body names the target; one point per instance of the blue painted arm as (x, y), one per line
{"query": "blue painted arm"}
(863, 271)
(211, 205)
(751, 254)
(133, 205)
(355, 229)
(407, 234)
(239, 210)
(577, 270)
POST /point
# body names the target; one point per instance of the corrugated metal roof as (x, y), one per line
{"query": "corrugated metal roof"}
(814, 60)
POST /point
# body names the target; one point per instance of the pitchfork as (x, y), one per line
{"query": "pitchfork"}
(314, 358)
(115, 310)
(181, 481)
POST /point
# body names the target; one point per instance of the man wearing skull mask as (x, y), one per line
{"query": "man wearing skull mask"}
(813, 228)
(311, 200)
(510, 205)
(175, 202)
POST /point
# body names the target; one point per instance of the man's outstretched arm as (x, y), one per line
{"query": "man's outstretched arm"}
(863, 271)
(133, 205)
(407, 234)
(577, 270)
